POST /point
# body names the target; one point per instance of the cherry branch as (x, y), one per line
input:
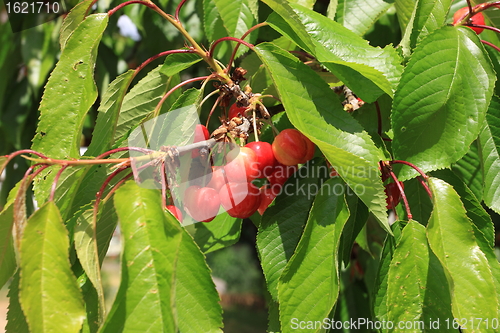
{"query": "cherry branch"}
(120, 6)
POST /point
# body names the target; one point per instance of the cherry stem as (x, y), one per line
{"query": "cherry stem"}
(164, 98)
(403, 195)
(410, 165)
(304, 54)
(120, 6)
(483, 27)
(379, 119)
(159, 55)
(56, 180)
(213, 109)
(427, 189)
(98, 195)
(233, 55)
(163, 185)
(117, 185)
(491, 45)
(178, 9)
(234, 39)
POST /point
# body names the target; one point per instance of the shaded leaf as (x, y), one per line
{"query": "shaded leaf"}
(451, 238)
(470, 169)
(441, 101)
(16, 321)
(360, 15)
(222, 232)
(309, 285)
(357, 220)
(282, 225)
(8, 262)
(489, 143)
(308, 103)
(108, 113)
(48, 290)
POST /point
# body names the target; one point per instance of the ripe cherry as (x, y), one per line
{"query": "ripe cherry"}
(175, 212)
(267, 195)
(201, 203)
(291, 147)
(243, 167)
(265, 157)
(236, 111)
(476, 19)
(200, 134)
(393, 194)
(281, 174)
(240, 200)
(218, 178)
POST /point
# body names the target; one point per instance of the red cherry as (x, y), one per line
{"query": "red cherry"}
(243, 168)
(236, 111)
(476, 19)
(291, 147)
(265, 157)
(200, 134)
(267, 196)
(240, 200)
(281, 174)
(201, 203)
(393, 194)
(218, 178)
(175, 212)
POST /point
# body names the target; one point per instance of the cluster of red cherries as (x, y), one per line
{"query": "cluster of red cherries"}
(230, 185)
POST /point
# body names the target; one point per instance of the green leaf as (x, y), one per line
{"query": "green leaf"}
(475, 212)
(196, 299)
(142, 99)
(149, 247)
(309, 285)
(379, 298)
(8, 262)
(108, 113)
(409, 296)
(164, 275)
(16, 321)
(237, 19)
(368, 71)
(308, 103)
(92, 247)
(70, 92)
(282, 225)
(177, 62)
(441, 101)
(360, 15)
(451, 238)
(48, 290)
(222, 232)
(489, 150)
(404, 11)
(429, 16)
(73, 19)
(470, 168)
